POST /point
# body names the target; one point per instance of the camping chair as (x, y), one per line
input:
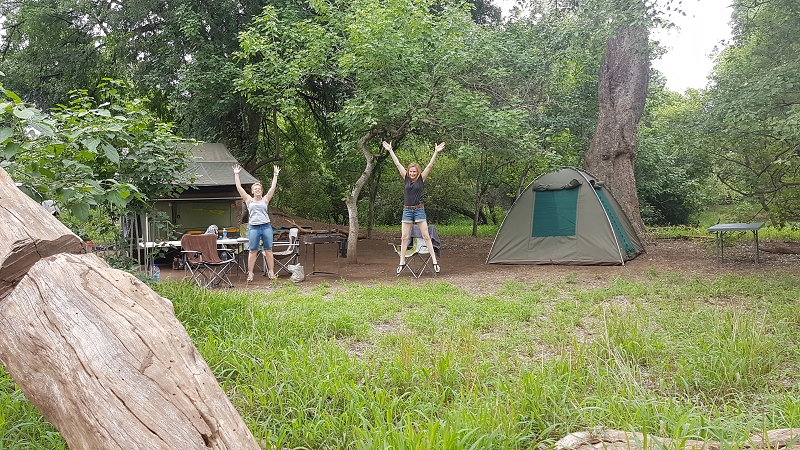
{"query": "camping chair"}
(202, 261)
(418, 255)
(287, 256)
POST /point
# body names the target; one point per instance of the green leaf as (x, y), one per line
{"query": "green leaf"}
(111, 153)
(25, 113)
(80, 211)
(67, 194)
(10, 150)
(13, 96)
(43, 128)
(91, 143)
(114, 197)
(5, 133)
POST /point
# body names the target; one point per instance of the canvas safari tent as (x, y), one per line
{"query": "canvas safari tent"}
(565, 217)
(211, 200)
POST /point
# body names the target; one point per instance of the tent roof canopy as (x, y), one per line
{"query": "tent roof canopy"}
(212, 165)
(565, 217)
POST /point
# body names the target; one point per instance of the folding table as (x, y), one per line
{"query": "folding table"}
(318, 238)
(722, 228)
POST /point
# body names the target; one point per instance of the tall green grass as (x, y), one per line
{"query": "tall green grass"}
(21, 425)
(422, 366)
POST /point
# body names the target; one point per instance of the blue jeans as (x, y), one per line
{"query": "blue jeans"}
(259, 233)
(414, 215)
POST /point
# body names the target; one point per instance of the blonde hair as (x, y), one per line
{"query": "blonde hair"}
(419, 168)
(256, 184)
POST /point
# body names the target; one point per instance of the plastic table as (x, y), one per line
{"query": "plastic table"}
(722, 228)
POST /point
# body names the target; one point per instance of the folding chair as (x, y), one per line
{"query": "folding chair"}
(289, 255)
(202, 261)
(418, 257)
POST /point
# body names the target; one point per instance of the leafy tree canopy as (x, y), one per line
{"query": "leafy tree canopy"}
(104, 150)
(753, 108)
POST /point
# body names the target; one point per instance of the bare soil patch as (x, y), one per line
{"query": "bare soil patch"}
(463, 262)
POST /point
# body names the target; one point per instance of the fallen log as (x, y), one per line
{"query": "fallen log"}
(606, 439)
(97, 352)
(28, 233)
(784, 249)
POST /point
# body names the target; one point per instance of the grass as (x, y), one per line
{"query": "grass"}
(789, 233)
(766, 234)
(461, 228)
(418, 366)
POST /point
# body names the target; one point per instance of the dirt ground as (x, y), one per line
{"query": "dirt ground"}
(463, 262)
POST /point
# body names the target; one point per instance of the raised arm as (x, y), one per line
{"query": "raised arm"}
(399, 166)
(275, 171)
(245, 196)
(439, 147)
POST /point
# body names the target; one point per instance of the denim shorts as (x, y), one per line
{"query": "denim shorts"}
(259, 233)
(414, 215)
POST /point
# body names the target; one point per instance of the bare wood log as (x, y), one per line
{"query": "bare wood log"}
(780, 438)
(28, 233)
(100, 355)
(605, 439)
(300, 228)
(104, 359)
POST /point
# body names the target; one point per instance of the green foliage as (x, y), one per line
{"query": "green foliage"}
(412, 73)
(306, 194)
(99, 228)
(672, 171)
(753, 119)
(104, 150)
(52, 47)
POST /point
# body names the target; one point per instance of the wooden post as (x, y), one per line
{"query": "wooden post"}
(100, 355)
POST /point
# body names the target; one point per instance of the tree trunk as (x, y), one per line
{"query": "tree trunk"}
(481, 217)
(374, 185)
(97, 352)
(478, 198)
(352, 200)
(624, 76)
(521, 183)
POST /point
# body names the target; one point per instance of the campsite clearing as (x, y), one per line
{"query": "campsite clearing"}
(464, 265)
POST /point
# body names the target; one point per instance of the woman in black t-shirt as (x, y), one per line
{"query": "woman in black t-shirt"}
(413, 205)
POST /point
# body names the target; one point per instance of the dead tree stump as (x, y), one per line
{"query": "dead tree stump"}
(100, 355)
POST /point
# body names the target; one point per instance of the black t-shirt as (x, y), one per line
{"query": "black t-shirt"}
(413, 191)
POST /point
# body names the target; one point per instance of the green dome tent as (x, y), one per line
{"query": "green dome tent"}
(565, 217)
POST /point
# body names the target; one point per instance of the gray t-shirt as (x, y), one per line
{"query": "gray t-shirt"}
(413, 191)
(258, 212)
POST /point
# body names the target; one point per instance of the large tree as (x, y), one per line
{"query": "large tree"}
(624, 76)
(622, 92)
(404, 69)
(752, 109)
